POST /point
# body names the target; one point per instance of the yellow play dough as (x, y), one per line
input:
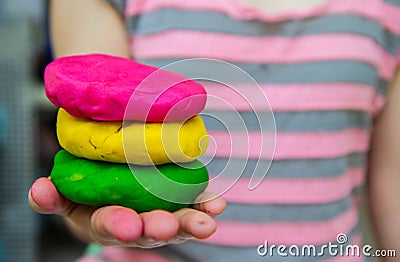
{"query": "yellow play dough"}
(144, 143)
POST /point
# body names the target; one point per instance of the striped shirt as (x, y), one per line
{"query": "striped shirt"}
(324, 70)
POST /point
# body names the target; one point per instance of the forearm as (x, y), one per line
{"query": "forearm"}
(82, 27)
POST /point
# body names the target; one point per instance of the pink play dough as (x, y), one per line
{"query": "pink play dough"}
(101, 87)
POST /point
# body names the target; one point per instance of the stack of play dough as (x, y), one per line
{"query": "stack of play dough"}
(125, 143)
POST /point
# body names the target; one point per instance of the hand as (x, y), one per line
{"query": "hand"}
(116, 225)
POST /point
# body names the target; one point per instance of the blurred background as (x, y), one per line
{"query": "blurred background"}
(27, 137)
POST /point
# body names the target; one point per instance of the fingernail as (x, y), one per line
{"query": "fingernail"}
(186, 237)
(150, 243)
(210, 214)
(151, 240)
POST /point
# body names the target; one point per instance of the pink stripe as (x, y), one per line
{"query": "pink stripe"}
(379, 103)
(347, 258)
(302, 233)
(257, 145)
(386, 13)
(373, 9)
(264, 49)
(289, 191)
(89, 258)
(329, 96)
(135, 7)
(123, 254)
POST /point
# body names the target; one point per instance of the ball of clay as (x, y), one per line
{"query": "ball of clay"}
(109, 88)
(137, 142)
(97, 183)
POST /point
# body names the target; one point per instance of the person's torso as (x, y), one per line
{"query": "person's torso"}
(324, 69)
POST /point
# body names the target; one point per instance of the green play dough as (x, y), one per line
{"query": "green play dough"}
(97, 183)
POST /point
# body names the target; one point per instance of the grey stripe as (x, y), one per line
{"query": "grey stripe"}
(285, 213)
(309, 121)
(359, 191)
(200, 251)
(393, 2)
(297, 168)
(175, 19)
(307, 72)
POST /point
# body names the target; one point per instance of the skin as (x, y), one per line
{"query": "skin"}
(115, 225)
(273, 6)
(92, 26)
(79, 34)
(384, 175)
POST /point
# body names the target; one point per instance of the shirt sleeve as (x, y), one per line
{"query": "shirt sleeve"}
(119, 5)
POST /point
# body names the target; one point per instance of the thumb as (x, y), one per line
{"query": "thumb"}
(44, 198)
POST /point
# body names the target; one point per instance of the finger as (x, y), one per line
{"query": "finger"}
(195, 223)
(210, 203)
(148, 243)
(44, 198)
(115, 225)
(159, 225)
(107, 225)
